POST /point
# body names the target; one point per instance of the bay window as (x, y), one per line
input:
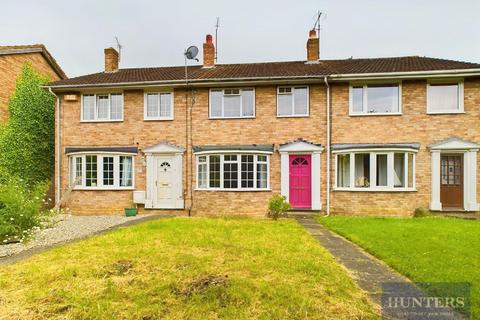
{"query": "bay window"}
(232, 103)
(101, 171)
(375, 170)
(292, 101)
(102, 107)
(445, 97)
(375, 99)
(233, 172)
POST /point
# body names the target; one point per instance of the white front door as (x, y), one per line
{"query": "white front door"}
(164, 182)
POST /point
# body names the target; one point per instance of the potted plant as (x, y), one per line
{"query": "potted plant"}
(131, 211)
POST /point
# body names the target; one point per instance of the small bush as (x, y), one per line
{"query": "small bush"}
(421, 212)
(21, 211)
(277, 206)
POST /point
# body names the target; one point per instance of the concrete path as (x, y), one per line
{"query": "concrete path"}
(81, 236)
(369, 272)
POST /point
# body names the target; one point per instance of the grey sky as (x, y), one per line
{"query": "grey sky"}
(155, 33)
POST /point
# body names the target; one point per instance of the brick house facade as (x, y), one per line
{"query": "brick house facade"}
(240, 133)
(12, 60)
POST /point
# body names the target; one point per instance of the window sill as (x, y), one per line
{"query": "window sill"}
(375, 189)
(158, 119)
(233, 190)
(229, 118)
(103, 188)
(446, 112)
(372, 114)
(295, 116)
(100, 121)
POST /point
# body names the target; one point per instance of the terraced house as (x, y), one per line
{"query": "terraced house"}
(355, 136)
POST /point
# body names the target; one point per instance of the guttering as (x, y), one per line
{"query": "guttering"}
(59, 151)
(279, 80)
(406, 74)
(325, 79)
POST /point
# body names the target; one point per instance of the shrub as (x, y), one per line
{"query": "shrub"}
(27, 140)
(421, 212)
(21, 211)
(277, 206)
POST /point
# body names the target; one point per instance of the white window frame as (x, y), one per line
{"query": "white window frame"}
(461, 96)
(239, 167)
(365, 99)
(158, 93)
(373, 170)
(223, 109)
(96, 119)
(292, 114)
(116, 171)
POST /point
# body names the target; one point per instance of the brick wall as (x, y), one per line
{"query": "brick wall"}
(10, 67)
(413, 126)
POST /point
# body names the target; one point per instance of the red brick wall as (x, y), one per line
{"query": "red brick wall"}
(414, 125)
(11, 67)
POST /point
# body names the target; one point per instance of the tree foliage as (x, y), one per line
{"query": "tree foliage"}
(27, 141)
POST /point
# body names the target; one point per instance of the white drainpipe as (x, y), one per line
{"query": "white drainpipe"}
(328, 144)
(59, 150)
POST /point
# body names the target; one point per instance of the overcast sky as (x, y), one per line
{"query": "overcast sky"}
(155, 33)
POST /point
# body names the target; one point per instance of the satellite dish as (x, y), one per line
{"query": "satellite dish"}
(191, 52)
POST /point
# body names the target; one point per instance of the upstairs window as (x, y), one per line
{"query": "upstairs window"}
(232, 103)
(292, 101)
(102, 107)
(158, 106)
(446, 97)
(375, 99)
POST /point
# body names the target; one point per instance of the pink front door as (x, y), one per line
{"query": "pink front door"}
(300, 190)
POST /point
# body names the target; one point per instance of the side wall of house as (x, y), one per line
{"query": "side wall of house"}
(11, 67)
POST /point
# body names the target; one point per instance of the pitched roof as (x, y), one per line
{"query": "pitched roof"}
(267, 70)
(34, 48)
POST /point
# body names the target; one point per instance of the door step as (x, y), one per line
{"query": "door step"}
(302, 213)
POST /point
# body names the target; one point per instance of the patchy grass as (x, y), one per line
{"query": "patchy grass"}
(432, 249)
(183, 268)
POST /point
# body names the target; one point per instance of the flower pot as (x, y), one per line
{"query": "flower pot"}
(130, 212)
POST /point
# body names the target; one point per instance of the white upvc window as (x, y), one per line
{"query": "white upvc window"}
(375, 171)
(233, 172)
(101, 171)
(292, 101)
(102, 107)
(158, 106)
(375, 99)
(445, 97)
(232, 103)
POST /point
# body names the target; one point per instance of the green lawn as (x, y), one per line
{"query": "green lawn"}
(430, 249)
(185, 268)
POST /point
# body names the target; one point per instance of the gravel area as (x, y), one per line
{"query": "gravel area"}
(66, 228)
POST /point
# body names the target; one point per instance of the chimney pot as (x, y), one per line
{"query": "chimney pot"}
(111, 60)
(209, 38)
(313, 46)
(208, 52)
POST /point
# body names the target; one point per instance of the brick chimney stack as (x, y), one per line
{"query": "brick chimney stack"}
(208, 52)
(111, 60)
(313, 46)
